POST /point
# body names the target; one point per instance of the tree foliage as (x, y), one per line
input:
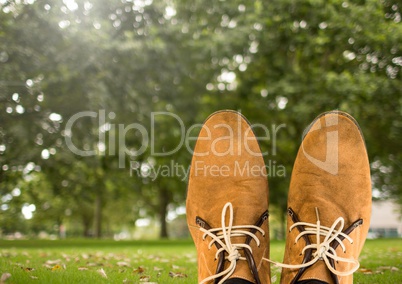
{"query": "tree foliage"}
(96, 97)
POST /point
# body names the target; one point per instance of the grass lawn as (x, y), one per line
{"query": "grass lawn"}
(101, 261)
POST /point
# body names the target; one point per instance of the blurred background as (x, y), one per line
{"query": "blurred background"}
(109, 77)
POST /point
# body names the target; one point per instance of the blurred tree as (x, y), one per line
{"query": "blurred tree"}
(292, 60)
(323, 55)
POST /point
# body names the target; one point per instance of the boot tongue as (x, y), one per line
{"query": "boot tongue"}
(318, 271)
(311, 282)
(242, 266)
(237, 281)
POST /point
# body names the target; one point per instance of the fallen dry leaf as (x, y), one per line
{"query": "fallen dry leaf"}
(177, 275)
(53, 262)
(4, 277)
(93, 264)
(28, 269)
(56, 267)
(123, 264)
(82, 268)
(67, 258)
(139, 270)
(127, 281)
(365, 271)
(391, 268)
(34, 277)
(145, 278)
(102, 272)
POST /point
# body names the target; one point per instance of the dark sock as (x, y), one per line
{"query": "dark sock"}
(311, 282)
(237, 281)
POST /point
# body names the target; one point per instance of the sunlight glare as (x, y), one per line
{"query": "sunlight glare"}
(27, 210)
(71, 4)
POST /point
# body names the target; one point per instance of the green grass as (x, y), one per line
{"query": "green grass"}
(122, 262)
(78, 261)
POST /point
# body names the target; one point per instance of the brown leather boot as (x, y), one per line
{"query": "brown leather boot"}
(329, 197)
(227, 202)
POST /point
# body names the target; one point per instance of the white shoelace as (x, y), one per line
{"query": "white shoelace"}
(223, 238)
(323, 250)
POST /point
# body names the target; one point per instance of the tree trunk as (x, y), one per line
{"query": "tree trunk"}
(98, 216)
(86, 223)
(163, 210)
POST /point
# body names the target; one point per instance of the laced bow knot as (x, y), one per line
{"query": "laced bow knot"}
(323, 250)
(234, 255)
(222, 237)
